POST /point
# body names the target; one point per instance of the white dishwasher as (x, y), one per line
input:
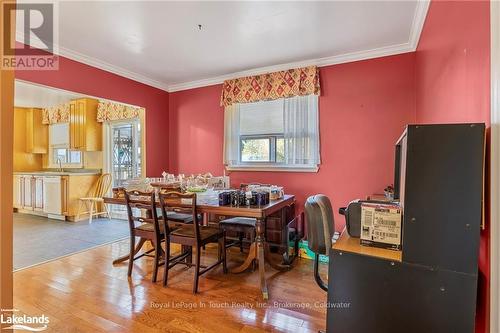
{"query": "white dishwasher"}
(52, 195)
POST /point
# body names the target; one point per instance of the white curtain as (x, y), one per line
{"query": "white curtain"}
(231, 134)
(301, 130)
(299, 125)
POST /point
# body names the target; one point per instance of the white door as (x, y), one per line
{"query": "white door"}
(123, 155)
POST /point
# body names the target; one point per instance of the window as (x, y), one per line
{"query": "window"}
(262, 149)
(67, 156)
(277, 134)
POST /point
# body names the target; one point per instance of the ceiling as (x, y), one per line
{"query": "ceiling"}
(33, 95)
(160, 43)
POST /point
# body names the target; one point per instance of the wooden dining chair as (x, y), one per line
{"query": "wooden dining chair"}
(95, 201)
(189, 235)
(175, 218)
(147, 228)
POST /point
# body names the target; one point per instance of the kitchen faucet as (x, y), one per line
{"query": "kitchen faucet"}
(59, 161)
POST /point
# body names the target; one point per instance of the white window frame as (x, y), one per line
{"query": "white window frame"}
(54, 163)
(272, 148)
(267, 166)
(50, 158)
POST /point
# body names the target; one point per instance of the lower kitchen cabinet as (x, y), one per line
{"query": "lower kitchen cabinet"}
(38, 194)
(28, 192)
(18, 191)
(55, 196)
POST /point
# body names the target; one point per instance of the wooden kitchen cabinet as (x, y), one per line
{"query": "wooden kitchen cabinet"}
(18, 192)
(85, 131)
(37, 189)
(55, 196)
(28, 192)
(27, 196)
(37, 134)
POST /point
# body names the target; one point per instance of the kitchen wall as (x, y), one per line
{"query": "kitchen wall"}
(23, 161)
(364, 107)
(453, 85)
(77, 77)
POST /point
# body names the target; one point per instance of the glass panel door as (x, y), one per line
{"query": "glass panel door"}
(126, 152)
(125, 158)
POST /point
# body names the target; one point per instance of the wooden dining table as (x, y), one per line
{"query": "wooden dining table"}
(259, 250)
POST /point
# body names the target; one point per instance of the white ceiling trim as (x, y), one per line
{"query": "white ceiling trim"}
(320, 62)
(111, 68)
(418, 22)
(416, 29)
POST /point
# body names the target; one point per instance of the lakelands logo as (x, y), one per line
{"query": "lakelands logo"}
(13, 321)
(31, 43)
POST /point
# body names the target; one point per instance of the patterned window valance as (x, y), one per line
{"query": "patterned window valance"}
(107, 111)
(56, 114)
(292, 82)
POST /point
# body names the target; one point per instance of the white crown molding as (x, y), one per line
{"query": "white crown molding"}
(410, 46)
(111, 68)
(418, 22)
(76, 56)
(320, 62)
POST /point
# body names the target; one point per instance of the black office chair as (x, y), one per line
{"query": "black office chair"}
(320, 230)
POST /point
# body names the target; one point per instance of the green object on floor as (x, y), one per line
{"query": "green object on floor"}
(307, 253)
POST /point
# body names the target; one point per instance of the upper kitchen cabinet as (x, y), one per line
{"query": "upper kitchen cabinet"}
(36, 132)
(85, 131)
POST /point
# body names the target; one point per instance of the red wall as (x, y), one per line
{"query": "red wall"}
(78, 77)
(453, 85)
(364, 107)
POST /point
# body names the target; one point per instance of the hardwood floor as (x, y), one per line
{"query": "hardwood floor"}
(86, 293)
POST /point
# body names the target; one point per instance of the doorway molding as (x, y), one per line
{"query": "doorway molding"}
(494, 168)
(6, 179)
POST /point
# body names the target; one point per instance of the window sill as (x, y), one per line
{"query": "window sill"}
(267, 168)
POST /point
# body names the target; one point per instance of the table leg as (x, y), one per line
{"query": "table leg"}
(279, 267)
(260, 241)
(127, 256)
(252, 255)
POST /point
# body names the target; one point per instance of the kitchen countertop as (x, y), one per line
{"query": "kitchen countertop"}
(59, 173)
